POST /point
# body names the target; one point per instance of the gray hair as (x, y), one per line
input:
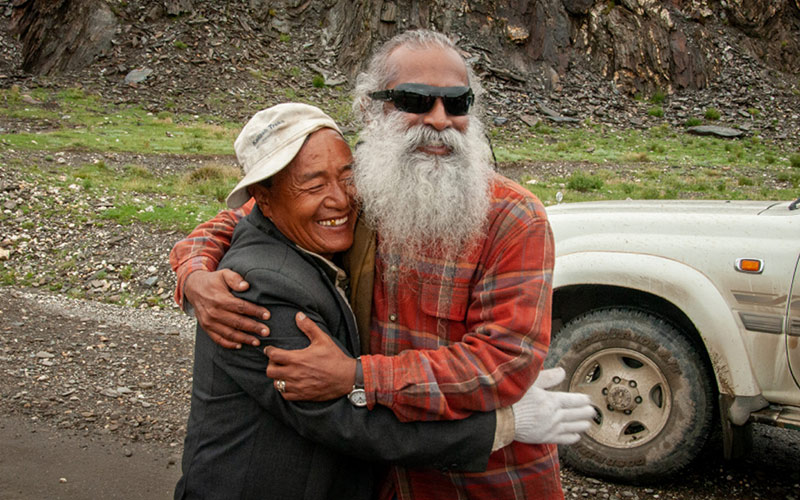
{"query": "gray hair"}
(379, 72)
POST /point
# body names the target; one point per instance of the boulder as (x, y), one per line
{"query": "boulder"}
(62, 35)
(578, 7)
(724, 132)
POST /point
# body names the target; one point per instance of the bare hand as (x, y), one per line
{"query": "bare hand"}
(225, 318)
(319, 372)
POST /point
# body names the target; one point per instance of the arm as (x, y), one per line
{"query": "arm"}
(540, 416)
(494, 358)
(194, 259)
(505, 337)
(204, 247)
(337, 424)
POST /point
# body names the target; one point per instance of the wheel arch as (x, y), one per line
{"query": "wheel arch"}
(666, 288)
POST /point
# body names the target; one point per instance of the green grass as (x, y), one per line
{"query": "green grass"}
(745, 181)
(126, 273)
(579, 181)
(662, 144)
(791, 177)
(655, 184)
(658, 97)
(693, 122)
(712, 114)
(128, 133)
(290, 94)
(659, 163)
(174, 201)
(171, 215)
(75, 120)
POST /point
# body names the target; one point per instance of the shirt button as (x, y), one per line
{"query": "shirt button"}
(392, 317)
(393, 268)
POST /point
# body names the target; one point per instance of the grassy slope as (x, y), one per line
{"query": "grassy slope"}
(661, 162)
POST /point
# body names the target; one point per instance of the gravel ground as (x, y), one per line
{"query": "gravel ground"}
(96, 367)
(47, 247)
(89, 390)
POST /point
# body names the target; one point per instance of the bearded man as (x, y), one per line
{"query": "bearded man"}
(456, 259)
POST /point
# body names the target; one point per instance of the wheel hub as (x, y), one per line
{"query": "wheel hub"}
(622, 395)
(631, 394)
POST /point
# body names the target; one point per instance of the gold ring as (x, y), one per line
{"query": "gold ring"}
(280, 385)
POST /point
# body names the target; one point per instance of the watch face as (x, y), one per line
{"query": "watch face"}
(358, 397)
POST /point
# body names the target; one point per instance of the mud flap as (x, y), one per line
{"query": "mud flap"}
(737, 440)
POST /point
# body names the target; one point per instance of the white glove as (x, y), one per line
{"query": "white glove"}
(551, 417)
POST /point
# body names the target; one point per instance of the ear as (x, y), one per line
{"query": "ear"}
(261, 195)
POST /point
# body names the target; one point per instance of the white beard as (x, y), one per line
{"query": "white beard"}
(423, 204)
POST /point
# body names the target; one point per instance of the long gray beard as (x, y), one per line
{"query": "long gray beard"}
(423, 204)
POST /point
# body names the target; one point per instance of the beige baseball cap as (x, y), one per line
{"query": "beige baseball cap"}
(271, 140)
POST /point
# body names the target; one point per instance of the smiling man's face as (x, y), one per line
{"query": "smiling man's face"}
(310, 201)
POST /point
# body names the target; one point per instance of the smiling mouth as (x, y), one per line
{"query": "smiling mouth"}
(333, 222)
(434, 147)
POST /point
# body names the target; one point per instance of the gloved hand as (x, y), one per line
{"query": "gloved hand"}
(551, 417)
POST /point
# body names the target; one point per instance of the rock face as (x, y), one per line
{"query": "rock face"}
(62, 35)
(772, 30)
(642, 46)
(645, 45)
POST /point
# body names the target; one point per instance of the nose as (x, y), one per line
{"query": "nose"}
(338, 196)
(438, 117)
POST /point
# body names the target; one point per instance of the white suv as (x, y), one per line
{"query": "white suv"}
(674, 316)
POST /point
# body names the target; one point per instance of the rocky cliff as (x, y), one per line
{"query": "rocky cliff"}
(640, 45)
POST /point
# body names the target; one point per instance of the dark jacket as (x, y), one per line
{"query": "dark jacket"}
(244, 440)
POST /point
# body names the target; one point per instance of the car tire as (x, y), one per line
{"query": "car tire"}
(650, 388)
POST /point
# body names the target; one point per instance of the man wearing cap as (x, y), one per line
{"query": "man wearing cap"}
(243, 439)
(459, 316)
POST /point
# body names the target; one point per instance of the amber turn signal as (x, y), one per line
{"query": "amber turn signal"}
(749, 265)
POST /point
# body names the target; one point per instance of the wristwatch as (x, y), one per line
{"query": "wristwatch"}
(358, 396)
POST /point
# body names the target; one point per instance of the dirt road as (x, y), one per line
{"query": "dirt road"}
(37, 463)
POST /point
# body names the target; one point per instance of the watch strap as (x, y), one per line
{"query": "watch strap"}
(357, 396)
(359, 382)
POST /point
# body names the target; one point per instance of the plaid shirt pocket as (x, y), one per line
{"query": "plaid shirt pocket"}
(445, 300)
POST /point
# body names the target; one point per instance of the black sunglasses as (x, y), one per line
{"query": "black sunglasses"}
(418, 98)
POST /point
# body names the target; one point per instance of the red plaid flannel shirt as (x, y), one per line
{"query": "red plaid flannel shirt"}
(459, 337)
